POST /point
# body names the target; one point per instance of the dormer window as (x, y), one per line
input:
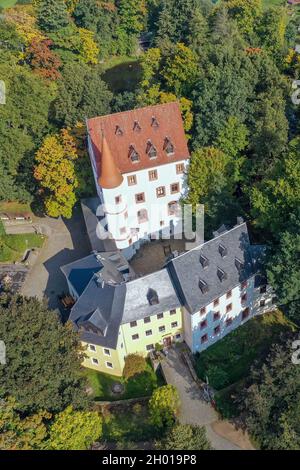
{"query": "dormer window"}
(204, 261)
(239, 264)
(136, 126)
(152, 297)
(222, 251)
(203, 286)
(221, 274)
(133, 155)
(119, 130)
(154, 122)
(151, 150)
(168, 147)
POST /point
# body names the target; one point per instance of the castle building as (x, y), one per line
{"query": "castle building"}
(198, 297)
(139, 158)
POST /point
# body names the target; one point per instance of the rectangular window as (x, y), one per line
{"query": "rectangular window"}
(263, 289)
(134, 337)
(229, 321)
(106, 352)
(262, 303)
(216, 316)
(229, 294)
(133, 323)
(178, 336)
(217, 330)
(131, 180)
(149, 347)
(245, 313)
(147, 320)
(174, 324)
(140, 197)
(148, 332)
(228, 308)
(179, 168)
(92, 347)
(174, 188)
(203, 325)
(173, 311)
(160, 315)
(204, 338)
(160, 191)
(152, 175)
(122, 230)
(203, 311)
(126, 215)
(118, 199)
(244, 298)
(109, 365)
(95, 361)
(161, 329)
(216, 302)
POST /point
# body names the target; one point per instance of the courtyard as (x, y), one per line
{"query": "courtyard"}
(153, 255)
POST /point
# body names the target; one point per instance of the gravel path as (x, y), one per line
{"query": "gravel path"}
(194, 410)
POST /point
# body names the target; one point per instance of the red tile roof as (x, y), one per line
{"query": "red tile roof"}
(135, 129)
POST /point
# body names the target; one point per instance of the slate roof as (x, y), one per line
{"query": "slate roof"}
(138, 293)
(106, 305)
(170, 125)
(92, 217)
(106, 264)
(99, 304)
(187, 271)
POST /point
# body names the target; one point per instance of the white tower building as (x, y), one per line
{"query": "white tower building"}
(139, 159)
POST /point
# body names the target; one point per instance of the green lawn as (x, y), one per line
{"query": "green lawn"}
(7, 3)
(230, 359)
(13, 247)
(14, 207)
(128, 424)
(141, 385)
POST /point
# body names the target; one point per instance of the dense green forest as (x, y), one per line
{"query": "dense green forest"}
(229, 63)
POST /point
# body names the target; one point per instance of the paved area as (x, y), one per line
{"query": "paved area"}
(194, 410)
(152, 256)
(66, 242)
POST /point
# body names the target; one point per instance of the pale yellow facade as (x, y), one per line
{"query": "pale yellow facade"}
(136, 337)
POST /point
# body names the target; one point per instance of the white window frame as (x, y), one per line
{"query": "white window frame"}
(105, 353)
(95, 361)
(108, 367)
(90, 346)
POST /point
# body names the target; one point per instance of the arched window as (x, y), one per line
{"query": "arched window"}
(142, 216)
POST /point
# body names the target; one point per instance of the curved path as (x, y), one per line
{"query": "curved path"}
(194, 410)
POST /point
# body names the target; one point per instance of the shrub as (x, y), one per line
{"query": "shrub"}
(164, 406)
(134, 365)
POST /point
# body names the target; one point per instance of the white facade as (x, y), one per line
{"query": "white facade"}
(204, 328)
(142, 205)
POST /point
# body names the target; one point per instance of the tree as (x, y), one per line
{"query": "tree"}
(43, 357)
(233, 140)
(74, 430)
(270, 402)
(89, 50)
(164, 406)
(131, 14)
(134, 364)
(56, 174)
(43, 61)
(21, 433)
(245, 13)
(278, 195)
(81, 94)
(52, 15)
(180, 70)
(23, 122)
(185, 437)
(283, 267)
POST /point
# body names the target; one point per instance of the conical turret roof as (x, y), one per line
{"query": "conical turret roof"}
(111, 176)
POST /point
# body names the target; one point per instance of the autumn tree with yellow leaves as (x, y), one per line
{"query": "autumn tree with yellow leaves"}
(55, 172)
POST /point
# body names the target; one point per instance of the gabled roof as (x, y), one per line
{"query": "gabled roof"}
(155, 123)
(101, 304)
(236, 262)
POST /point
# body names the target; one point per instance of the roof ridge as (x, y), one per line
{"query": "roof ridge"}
(130, 111)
